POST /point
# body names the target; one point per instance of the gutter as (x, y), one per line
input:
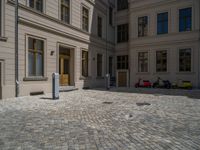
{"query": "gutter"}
(16, 51)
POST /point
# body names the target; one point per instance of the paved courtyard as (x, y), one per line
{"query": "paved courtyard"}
(102, 120)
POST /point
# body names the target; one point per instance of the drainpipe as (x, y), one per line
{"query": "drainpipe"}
(16, 51)
(107, 50)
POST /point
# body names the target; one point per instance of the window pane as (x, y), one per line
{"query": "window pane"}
(142, 26)
(99, 26)
(35, 57)
(39, 5)
(122, 4)
(84, 63)
(161, 61)
(1, 17)
(65, 11)
(31, 64)
(185, 19)
(39, 64)
(162, 23)
(122, 33)
(30, 44)
(85, 19)
(99, 65)
(185, 60)
(143, 62)
(66, 66)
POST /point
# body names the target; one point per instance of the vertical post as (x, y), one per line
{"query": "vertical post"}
(16, 51)
(107, 48)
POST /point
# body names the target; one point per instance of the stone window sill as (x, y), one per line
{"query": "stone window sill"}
(35, 79)
(4, 39)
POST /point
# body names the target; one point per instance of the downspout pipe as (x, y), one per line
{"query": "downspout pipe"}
(107, 78)
(16, 51)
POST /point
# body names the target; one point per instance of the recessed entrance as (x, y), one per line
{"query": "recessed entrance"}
(66, 69)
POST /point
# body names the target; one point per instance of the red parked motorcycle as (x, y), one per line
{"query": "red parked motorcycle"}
(143, 84)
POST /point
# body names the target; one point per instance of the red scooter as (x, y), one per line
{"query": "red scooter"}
(143, 84)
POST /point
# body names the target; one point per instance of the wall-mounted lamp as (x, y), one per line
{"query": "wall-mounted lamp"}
(52, 52)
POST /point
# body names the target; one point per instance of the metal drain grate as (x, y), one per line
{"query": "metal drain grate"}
(107, 102)
(143, 104)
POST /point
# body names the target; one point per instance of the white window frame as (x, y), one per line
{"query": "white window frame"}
(102, 71)
(169, 21)
(102, 25)
(70, 11)
(82, 49)
(192, 60)
(177, 17)
(81, 17)
(45, 57)
(44, 6)
(148, 26)
(168, 55)
(2, 21)
(148, 65)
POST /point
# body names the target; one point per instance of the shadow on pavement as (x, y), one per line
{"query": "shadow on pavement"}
(194, 93)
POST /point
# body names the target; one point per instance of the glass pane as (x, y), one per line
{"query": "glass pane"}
(66, 66)
(39, 64)
(31, 3)
(31, 64)
(30, 43)
(39, 45)
(39, 5)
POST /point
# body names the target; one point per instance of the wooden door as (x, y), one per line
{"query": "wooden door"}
(64, 71)
(122, 79)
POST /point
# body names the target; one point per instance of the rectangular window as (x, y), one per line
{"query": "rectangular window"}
(99, 65)
(111, 66)
(85, 19)
(122, 4)
(122, 33)
(36, 4)
(161, 61)
(143, 62)
(162, 23)
(35, 57)
(185, 19)
(185, 58)
(1, 21)
(142, 26)
(122, 62)
(99, 26)
(84, 63)
(65, 10)
(111, 16)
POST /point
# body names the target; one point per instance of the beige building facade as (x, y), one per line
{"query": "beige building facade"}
(83, 40)
(55, 36)
(163, 41)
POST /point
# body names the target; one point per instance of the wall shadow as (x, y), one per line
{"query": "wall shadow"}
(104, 45)
(194, 94)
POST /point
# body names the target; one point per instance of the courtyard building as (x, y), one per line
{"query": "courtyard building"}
(83, 40)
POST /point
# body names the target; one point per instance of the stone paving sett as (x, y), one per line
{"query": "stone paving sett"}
(81, 121)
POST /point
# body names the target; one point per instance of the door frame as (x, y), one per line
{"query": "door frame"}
(72, 59)
(117, 78)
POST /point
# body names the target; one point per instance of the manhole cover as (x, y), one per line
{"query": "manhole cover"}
(143, 104)
(129, 116)
(107, 102)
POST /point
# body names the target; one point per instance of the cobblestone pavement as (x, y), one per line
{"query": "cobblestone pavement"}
(101, 120)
